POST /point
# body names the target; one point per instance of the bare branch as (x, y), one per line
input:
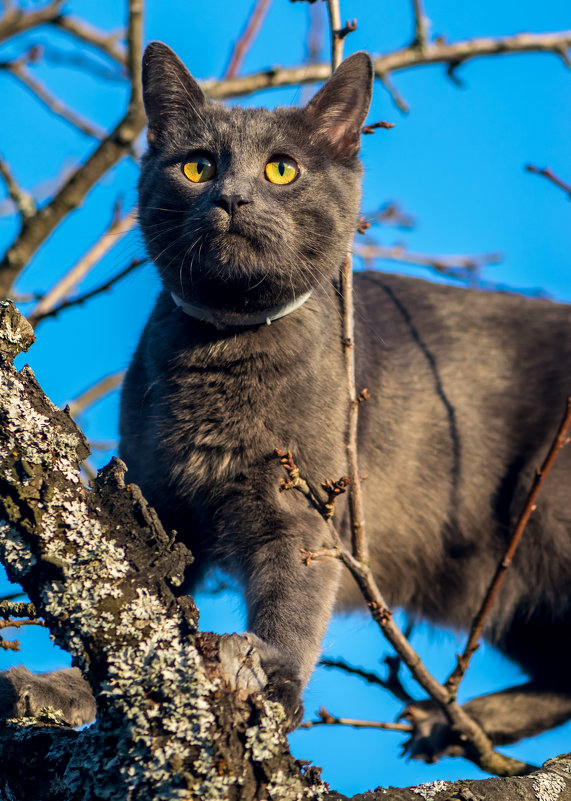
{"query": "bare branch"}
(96, 392)
(98, 290)
(405, 58)
(550, 175)
(22, 200)
(71, 194)
(461, 267)
(481, 751)
(15, 20)
(325, 718)
(49, 100)
(105, 42)
(392, 683)
(17, 624)
(395, 95)
(247, 38)
(530, 505)
(108, 239)
(421, 26)
(360, 547)
(336, 38)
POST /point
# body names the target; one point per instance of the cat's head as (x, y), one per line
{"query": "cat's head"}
(249, 208)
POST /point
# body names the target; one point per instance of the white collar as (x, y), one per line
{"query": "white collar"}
(227, 319)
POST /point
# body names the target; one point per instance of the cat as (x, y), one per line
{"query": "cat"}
(248, 215)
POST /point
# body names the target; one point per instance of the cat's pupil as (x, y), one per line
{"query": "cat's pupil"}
(281, 167)
(199, 166)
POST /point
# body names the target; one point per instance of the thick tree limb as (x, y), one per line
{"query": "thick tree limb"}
(101, 570)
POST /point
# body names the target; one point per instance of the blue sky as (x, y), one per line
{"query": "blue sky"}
(455, 162)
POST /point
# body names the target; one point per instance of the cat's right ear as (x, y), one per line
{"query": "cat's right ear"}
(338, 111)
(170, 92)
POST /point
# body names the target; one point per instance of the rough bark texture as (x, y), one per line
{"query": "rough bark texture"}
(180, 713)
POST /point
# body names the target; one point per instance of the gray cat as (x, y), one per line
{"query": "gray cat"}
(248, 215)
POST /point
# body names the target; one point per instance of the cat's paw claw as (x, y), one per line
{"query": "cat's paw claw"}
(283, 680)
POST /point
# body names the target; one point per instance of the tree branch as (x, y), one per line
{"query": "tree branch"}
(105, 42)
(478, 745)
(15, 20)
(180, 711)
(247, 38)
(325, 718)
(49, 100)
(550, 175)
(71, 194)
(108, 239)
(396, 61)
(96, 392)
(23, 201)
(462, 267)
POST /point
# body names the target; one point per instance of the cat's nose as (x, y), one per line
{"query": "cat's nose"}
(230, 203)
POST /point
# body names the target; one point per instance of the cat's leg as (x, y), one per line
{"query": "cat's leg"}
(543, 649)
(506, 717)
(289, 606)
(25, 694)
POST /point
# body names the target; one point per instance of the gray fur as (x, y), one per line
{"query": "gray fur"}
(25, 694)
(466, 390)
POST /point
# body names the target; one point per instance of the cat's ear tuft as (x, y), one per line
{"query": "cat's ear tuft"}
(338, 111)
(170, 93)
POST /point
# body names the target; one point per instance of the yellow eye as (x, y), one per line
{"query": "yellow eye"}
(281, 171)
(200, 169)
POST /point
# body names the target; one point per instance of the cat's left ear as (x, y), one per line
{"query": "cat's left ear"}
(170, 93)
(339, 109)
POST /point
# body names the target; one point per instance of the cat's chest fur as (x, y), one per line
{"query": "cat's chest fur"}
(218, 405)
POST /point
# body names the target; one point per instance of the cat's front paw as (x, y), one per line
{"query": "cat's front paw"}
(432, 736)
(283, 680)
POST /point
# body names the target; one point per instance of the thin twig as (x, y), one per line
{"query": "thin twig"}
(15, 20)
(395, 95)
(393, 683)
(460, 267)
(50, 101)
(530, 505)
(478, 745)
(22, 200)
(108, 239)
(325, 718)
(359, 539)
(421, 26)
(86, 33)
(247, 38)
(79, 300)
(17, 624)
(336, 38)
(101, 388)
(550, 175)
(71, 193)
